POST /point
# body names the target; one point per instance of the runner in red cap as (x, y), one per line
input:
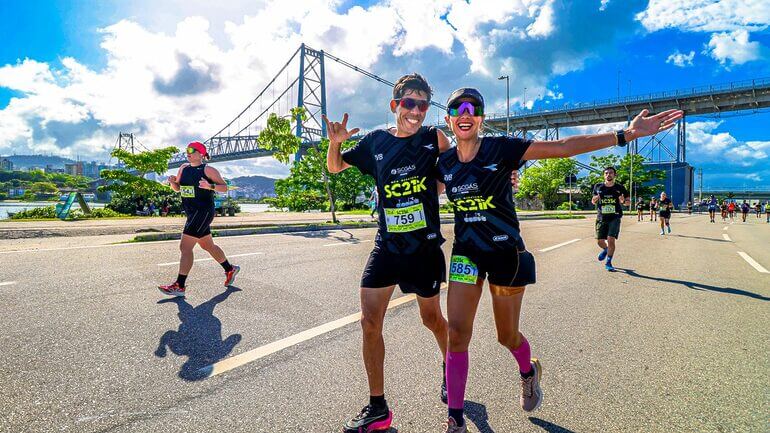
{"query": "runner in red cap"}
(197, 182)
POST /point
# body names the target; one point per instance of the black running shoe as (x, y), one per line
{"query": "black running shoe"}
(371, 419)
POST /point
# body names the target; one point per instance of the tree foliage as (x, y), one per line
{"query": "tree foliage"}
(622, 165)
(130, 180)
(309, 184)
(543, 180)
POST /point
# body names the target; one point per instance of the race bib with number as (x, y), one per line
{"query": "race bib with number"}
(405, 219)
(608, 209)
(463, 270)
(187, 191)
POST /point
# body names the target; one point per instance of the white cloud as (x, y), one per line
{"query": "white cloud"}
(705, 144)
(706, 15)
(171, 78)
(680, 59)
(733, 48)
(604, 5)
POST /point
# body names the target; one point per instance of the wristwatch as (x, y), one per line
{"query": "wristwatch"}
(620, 137)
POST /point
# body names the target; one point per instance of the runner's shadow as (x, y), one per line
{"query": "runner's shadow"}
(477, 414)
(699, 237)
(199, 336)
(549, 426)
(697, 286)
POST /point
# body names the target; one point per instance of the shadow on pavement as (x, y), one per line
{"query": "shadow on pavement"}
(477, 414)
(697, 286)
(698, 237)
(199, 336)
(325, 234)
(549, 426)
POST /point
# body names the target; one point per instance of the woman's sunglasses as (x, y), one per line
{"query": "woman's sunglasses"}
(457, 109)
(410, 103)
(190, 150)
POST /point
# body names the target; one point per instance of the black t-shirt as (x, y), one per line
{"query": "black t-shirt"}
(609, 206)
(640, 205)
(480, 193)
(665, 205)
(194, 197)
(407, 195)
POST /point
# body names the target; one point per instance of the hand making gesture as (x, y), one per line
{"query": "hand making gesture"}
(338, 132)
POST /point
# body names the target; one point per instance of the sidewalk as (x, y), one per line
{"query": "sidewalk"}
(171, 225)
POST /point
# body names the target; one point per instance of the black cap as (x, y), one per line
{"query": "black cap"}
(465, 92)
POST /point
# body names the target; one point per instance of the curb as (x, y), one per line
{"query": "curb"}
(150, 237)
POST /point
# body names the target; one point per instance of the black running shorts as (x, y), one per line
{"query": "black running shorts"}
(198, 222)
(421, 273)
(665, 214)
(509, 268)
(609, 228)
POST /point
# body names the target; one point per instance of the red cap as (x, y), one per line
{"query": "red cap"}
(197, 145)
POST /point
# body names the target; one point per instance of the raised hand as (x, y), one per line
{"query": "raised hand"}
(338, 131)
(643, 126)
(172, 179)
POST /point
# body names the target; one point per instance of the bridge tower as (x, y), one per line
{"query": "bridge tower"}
(311, 95)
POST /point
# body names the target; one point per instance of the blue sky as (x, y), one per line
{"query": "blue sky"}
(73, 74)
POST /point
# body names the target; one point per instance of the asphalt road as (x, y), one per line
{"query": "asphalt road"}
(675, 341)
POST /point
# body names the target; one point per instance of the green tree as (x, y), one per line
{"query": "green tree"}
(622, 166)
(544, 180)
(129, 187)
(44, 188)
(309, 180)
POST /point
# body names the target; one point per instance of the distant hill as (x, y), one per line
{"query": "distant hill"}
(255, 186)
(21, 162)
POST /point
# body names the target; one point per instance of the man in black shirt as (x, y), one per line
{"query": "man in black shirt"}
(609, 198)
(407, 250)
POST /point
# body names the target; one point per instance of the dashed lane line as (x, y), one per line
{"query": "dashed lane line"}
(727, 237)
(544, 250)
(753, 263)
(209, 258)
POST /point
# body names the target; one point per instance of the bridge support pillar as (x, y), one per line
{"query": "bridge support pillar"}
(681, 141)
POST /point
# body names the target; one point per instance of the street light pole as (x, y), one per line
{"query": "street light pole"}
(507, 105)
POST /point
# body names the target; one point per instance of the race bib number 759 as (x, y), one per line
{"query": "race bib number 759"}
(405, 219)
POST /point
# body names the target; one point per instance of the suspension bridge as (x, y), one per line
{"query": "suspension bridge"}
(301, 82)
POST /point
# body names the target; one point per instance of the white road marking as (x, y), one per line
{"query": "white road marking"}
(8, 283)
(346, 243)
(276, 346)
(727, 238)
(209, 258)
(753, 263)
(558, 245)
(726, 227)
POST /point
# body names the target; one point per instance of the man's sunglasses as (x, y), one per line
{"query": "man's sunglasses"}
(457, 109)
(410, 103)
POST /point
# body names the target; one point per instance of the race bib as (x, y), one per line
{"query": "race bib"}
(463, 270)
(608, 209)
(187, 191)
(405, 219)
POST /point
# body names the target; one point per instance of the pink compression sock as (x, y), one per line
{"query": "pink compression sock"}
(523, 355)
(456, 377)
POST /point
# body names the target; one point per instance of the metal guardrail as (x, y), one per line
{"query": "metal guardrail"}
(704, 90)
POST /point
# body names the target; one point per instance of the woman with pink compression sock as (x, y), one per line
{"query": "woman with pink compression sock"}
(476, 174)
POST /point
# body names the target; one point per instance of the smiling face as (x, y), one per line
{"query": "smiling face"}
(409, 121)
(465, 127)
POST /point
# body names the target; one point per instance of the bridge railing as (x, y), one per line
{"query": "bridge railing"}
(649, 97)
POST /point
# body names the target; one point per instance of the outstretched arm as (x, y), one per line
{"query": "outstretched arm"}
(338, 133)
(641, 126)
